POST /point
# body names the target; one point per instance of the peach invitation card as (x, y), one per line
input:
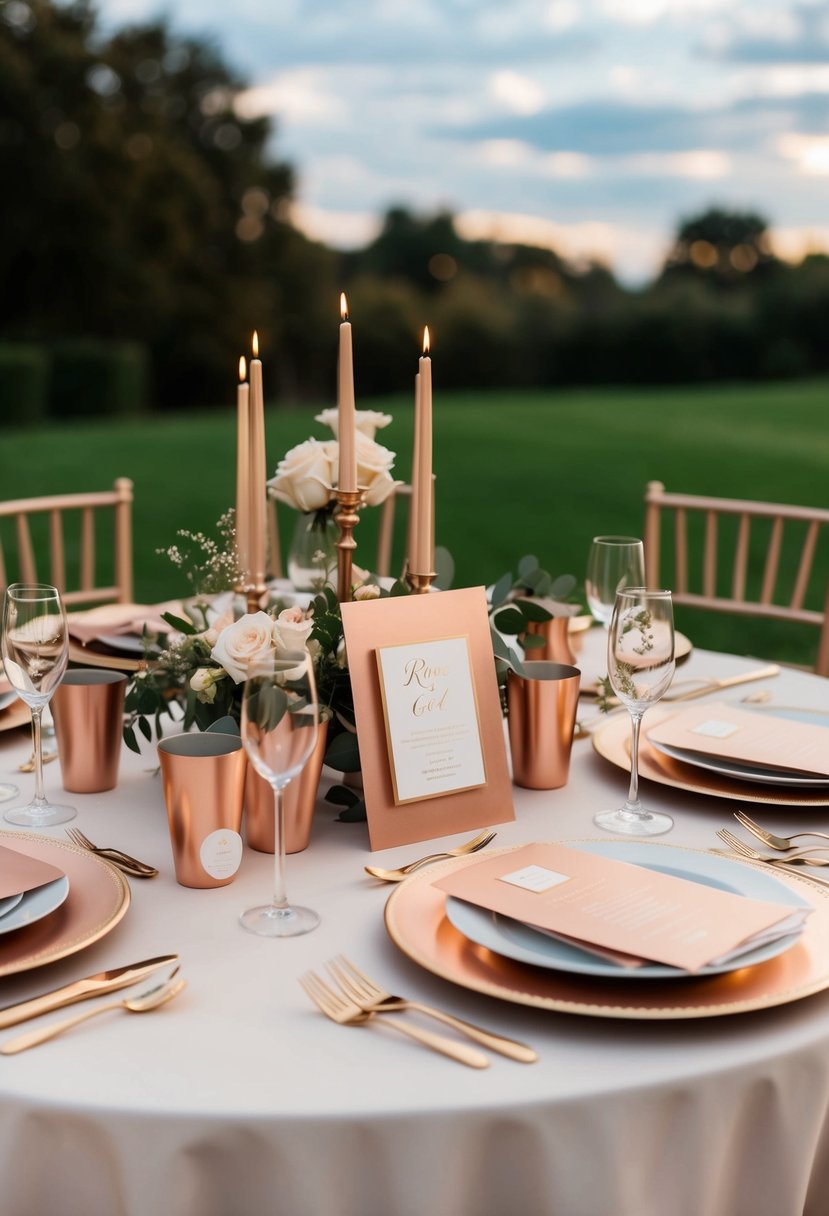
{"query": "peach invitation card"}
(617, 906)
(752, 738)
(428, 714)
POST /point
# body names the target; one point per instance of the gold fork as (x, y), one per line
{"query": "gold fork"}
(130, 865)
(774, 842)
(779, 863)
(371, 998)
(801, 856)
(346, 1013)
(472, 846)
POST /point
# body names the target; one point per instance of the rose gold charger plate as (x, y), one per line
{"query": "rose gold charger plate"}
(99, 896)
(612, 742)
(417, 924)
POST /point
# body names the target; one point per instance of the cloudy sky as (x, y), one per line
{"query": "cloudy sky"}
(590, 125)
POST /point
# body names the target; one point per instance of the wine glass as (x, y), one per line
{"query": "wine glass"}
(613, 562)
(640, 663)
(35, 653)
(280, 718)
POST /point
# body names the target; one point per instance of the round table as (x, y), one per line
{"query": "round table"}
(240, 1099)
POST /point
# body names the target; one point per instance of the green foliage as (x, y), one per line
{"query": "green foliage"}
(95, 377)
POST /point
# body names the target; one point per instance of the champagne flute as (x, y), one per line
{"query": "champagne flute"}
(640, 663)
(613, 562)
(35, 650)
(280, 719)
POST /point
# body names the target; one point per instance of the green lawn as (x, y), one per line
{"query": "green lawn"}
(518, 472)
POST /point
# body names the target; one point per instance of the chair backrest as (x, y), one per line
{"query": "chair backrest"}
(385, 534)
(776, 594)
(18, 562)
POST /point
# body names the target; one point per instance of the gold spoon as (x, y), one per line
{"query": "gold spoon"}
(154, 998)
(472, 846)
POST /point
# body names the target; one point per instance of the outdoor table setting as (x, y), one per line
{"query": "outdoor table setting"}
(494, 991)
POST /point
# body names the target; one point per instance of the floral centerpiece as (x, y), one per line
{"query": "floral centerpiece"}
(305, 480)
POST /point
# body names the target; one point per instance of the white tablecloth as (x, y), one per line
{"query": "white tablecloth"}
(239, 1098)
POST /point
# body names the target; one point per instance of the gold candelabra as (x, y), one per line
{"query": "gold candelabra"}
(347, 516)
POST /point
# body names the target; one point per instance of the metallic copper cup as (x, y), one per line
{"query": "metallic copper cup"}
(541, 720)
(204, 789)
(88, 709)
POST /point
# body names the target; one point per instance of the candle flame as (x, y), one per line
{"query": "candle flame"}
(343, 306)
(426, 341)
(243, 369)
(255, 345)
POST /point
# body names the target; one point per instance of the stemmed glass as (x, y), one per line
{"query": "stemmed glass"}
(640, 664)
(613, 562)
(280, 719)
(35, 652)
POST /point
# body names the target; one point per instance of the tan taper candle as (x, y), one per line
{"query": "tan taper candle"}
(423, 489)
(257, 470)
(347, 475)
(242, 476)
(411, 532)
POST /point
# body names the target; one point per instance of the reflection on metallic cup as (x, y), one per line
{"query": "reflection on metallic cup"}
(88, 708)
(204, 789)
(299, 799)
(542, 718)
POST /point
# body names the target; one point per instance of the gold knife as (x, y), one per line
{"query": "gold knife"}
(82, 990)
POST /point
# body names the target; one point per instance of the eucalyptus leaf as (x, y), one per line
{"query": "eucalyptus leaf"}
(341, 795)
(532, 641)
(179, 623)
(509, 620)
(444, 568)
(224, 726)
(353, 814)
(343, 753)
(501, 589)
(398, 588)
(563, 587)
(527, 566)
(533, 612)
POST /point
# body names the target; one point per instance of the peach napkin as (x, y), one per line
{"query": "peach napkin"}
(118, 619)
(20, 873)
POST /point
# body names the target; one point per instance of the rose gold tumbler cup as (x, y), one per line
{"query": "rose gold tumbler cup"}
(542, 719)
(204, 789)
(88, 708)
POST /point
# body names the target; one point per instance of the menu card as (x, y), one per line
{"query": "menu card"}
(20, 873)
(755, 739)
(431, 715)
(619, 907)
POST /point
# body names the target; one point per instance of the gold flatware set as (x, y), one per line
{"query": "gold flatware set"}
(357, 999)
(86, 989)
(785, 855)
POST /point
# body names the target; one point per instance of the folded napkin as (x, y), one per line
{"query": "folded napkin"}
(118, 619)
(618, 907)
(759, 740)
(20, 873)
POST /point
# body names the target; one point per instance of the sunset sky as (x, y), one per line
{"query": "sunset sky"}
(589, 125)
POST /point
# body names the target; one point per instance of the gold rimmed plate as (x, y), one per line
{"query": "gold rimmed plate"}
(612, 742)
(98, 898)
(416, 922)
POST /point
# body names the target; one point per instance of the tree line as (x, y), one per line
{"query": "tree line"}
(147, 231)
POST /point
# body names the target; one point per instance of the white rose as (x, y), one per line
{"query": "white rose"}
(368, 422)
(304, 476)
(373, 465)
(243, 644)
(369, 591)
(290, 630)
(203, 682)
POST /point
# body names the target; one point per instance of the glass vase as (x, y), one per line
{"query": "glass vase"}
(312, 560)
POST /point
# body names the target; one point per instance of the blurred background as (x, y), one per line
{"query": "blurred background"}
(610, 213)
